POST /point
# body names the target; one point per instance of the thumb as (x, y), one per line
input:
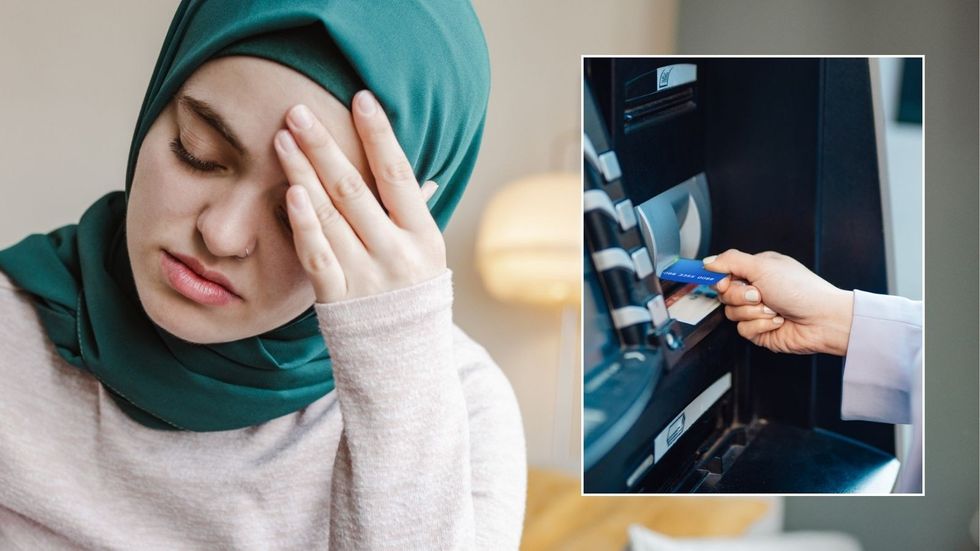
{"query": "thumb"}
(733, 261)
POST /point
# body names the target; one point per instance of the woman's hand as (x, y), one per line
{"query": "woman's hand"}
(345, 241)
(781, 305)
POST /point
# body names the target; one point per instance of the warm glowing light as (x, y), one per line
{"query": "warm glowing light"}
(529, 247)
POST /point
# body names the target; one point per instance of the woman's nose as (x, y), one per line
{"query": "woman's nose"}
(228, 226)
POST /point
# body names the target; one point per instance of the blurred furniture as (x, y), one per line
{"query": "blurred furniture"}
(643, 539)
(558, 517)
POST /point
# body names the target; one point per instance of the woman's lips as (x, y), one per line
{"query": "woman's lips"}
(192, 285)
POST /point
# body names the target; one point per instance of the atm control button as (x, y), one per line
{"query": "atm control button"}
(658, 311)
(609, 165)
(642, 262)
(627, 216)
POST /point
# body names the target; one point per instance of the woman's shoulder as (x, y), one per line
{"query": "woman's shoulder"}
(479, 373)
(12, 298)
(471, 355)
(6, 285)
(24, 345)
(496, 428)
(19, 323)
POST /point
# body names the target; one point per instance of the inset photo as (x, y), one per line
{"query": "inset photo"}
(753, 268)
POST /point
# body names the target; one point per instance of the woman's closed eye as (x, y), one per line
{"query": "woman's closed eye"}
(191, 160)
(201, 165)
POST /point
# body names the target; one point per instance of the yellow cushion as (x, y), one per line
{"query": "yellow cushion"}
(558, 517)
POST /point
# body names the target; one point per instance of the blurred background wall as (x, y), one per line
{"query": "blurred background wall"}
(73, 76)
(945, 31)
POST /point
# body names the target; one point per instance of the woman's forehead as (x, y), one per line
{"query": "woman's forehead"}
(253, 93)
(245, 100)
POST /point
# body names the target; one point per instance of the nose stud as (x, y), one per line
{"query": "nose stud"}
(243, 257)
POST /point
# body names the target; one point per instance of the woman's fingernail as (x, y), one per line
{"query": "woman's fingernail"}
(429, 189)
(767, 309)
(752, 295)
(777, 320)
(286, 141)
(301, 116)
(366, 103)
(709, 259)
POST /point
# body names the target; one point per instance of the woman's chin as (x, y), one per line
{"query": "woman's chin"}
(177, 316)
(188, 329)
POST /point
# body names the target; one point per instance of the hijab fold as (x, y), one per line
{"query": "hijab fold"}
(425, 61)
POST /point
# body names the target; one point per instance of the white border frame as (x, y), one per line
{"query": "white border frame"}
(882, 175)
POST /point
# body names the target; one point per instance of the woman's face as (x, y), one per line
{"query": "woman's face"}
(208, 185)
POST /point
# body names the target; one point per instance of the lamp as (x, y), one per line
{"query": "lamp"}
(529, 246)
(529, 251)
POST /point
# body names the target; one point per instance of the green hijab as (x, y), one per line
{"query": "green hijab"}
(426, 61)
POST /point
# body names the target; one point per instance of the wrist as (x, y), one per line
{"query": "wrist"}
(838, 325)
(390, 309)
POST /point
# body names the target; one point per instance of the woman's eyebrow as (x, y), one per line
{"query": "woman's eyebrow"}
(207, 113)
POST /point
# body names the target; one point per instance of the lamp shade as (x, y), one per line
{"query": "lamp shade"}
(529, 245)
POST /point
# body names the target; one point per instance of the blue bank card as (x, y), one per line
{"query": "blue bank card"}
(686, 270)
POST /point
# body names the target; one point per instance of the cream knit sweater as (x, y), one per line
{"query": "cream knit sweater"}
(420, 446)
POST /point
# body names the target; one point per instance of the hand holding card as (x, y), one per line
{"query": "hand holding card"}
(816, 315)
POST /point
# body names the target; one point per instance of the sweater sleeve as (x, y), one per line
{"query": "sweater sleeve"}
(882, 359)
(407, 473)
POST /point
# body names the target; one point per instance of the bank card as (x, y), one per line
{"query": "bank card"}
(686, 270)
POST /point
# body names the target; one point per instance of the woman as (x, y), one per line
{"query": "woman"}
(252, 347)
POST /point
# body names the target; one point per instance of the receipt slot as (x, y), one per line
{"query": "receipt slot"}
(685, 158)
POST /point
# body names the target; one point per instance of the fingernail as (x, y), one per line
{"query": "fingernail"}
(286, 141)
(366, 102)
(301, 116)
(767, 309)
(752, 295)
(709, 259)
(429, 189)
(777, 320)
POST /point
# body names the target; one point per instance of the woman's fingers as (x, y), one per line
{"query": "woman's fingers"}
(723, 285)
(312, 247)
(749, 312)
(752, 329)
(393, 174)
(735, 262)
(300, 173)
(739, 295)
(344, 184)
(298, 168)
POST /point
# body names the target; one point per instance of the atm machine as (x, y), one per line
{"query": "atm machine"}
(688, 157)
